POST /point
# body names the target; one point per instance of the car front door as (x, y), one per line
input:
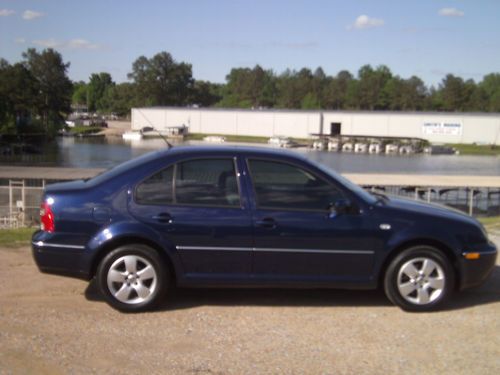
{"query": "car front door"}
(196, 204)
(297, 238)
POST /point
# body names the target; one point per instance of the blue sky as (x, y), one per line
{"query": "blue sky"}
(428, 38)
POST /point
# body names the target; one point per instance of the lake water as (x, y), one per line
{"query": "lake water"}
(107, 152)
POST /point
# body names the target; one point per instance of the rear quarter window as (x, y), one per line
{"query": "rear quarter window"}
(156, 189)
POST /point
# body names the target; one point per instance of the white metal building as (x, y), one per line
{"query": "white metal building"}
(436, 127)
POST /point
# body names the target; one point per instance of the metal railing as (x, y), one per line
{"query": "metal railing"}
(20, 199)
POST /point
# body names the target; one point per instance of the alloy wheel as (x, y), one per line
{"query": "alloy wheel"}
(132, 279)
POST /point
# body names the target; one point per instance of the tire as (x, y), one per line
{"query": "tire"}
(133, 278)
(420, 278)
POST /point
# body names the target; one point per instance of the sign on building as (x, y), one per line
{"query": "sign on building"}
(442, 128)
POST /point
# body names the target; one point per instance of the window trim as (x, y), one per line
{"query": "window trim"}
(295, 165)
(174, 203)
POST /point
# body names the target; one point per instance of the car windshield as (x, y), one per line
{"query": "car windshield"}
(358, 190)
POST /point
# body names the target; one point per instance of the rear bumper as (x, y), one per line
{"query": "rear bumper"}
(475, 272)
(58, 258)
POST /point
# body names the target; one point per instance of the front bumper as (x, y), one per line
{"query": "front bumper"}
(474, 272)
(59, 258)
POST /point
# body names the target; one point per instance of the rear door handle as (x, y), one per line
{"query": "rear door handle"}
(267, 222)
(163, 217)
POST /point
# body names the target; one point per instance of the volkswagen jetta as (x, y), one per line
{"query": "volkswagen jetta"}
(252, 217)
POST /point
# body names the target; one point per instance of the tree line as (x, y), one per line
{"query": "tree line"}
(35, 94)
(37, 91)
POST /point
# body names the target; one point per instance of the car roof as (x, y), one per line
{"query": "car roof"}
(154, 157)
(230, 150)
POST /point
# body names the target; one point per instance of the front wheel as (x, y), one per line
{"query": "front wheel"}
(132, 278)
(421, 278)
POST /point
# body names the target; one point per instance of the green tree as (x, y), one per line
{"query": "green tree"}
(318, 83)
(54, 89)
(205, 94)
(370, 94)
(292, 88)
(79, 96)
(310, 101)
(120, 98)
(18, 93)
(161, 80)
(4, 96)
(249, 88)
(490, 88)
(96, 90)
(404, 94)
(454, 94)
(479, 100)
(336, 90)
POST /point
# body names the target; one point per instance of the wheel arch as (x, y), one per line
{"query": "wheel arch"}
(441, 246)
(114, 243)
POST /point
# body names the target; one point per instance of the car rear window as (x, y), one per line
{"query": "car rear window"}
(207, 182)
(202, 182)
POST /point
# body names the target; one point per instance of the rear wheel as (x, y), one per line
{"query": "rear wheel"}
(132, 278)
(421, 278)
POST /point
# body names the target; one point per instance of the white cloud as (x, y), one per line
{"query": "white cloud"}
(29, 15)
(451, 12)
(47, 43)
(365, 22)
(20, 40)
(81, 44)
(6, 12)
(69, 44)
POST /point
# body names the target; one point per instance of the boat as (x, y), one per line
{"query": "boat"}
(334, 145)
(281, 141)
(360, 147)
(318, 144)
(132, 135)
(391, 148)
(375, 148)
(215, 139)
(406, 149)
(348, 147)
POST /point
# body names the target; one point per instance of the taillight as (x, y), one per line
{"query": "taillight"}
(46, 218)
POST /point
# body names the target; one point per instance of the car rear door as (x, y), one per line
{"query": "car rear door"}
(197, 204)
(296, 239)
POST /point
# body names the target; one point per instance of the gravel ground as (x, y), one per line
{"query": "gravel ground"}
(50, 324)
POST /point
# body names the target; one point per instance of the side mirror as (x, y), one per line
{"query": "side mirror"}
(340, 207)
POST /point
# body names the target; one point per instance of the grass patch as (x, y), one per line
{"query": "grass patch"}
(85, 130)
(238, 138)
(491, 223)
(229, 138)
(16, 237)
(477, 149)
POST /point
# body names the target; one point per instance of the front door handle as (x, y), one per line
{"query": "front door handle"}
(267, 222)
(163, 217)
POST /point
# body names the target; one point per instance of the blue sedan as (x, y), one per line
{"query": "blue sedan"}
(252, 217)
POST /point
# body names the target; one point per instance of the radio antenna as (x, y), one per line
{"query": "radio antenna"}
(169, 145)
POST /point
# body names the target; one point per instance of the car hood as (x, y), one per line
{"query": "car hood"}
(429, 209)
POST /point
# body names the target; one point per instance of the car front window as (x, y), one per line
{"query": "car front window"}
(279, 185)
